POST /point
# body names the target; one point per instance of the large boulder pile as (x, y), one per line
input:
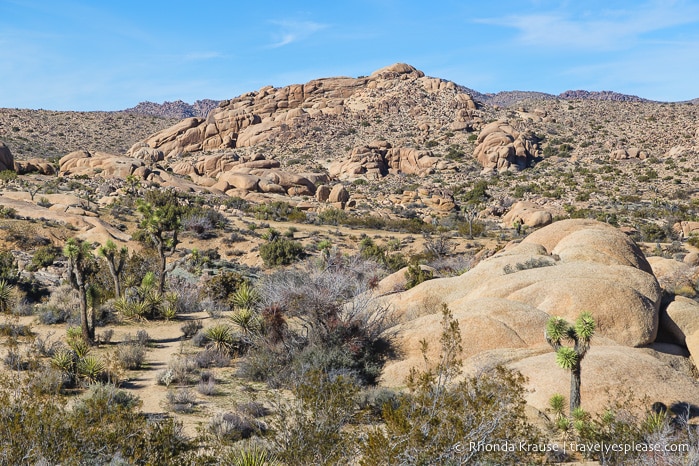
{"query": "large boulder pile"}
(628, 153)
(257, 117)
(378, 158)
(239, 175)
(501, 147)
(82, 162)
(7, 161)
(34, 165)
(568, 267)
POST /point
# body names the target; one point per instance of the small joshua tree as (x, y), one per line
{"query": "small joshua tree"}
(116, 258)
(81, 267)
(567, 357)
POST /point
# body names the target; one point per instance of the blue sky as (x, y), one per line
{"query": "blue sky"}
(101, 55)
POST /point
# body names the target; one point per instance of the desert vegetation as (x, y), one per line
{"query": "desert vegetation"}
(374, 284)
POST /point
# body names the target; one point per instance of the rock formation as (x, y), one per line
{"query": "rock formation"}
(527, 213)
(7, 161)
(501, 147)
(100, 163)
(379, 158)
(630, 153)
(259, 116)
(503, 303)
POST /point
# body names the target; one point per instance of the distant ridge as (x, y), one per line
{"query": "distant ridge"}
(600, 95)
(177, 109)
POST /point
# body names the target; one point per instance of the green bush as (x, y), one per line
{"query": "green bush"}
(280, 251)
(103, 426)
(44, 256)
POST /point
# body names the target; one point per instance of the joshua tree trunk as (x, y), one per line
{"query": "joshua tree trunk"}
(88, 331)
(575, 387)
(115, 276)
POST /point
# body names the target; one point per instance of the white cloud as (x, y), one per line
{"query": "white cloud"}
(602, 30)
(294, 31)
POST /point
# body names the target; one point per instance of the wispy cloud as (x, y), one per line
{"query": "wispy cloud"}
(599, 31)
(294, 31)
(202, 56)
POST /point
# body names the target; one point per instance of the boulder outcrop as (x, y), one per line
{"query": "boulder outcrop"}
(100, 163)
(503, 303)
(260, 116)
(630, 153)
(501, 147)
(7, 161)
(529, 214)
(379, 158)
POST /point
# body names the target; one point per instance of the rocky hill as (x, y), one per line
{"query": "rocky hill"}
(600, 95)
(49, 134)
(177, 109)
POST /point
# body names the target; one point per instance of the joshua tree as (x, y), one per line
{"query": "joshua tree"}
(80, 268)
(115, 261)
(161, 222)
(567, 357)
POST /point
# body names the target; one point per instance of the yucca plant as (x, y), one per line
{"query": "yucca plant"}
(557, 405)
(77, 342)
(221, 338)
(246, 296)
(64, 361)
(131, 310)
(569, 358)
(6, 290)
(253, 457)
(90, 368)
(247, 321)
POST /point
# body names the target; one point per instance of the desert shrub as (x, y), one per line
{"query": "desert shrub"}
(651, 232)
(280, 251)
(416, 275)
(233, 426)
(190, 328)
(222, 286)
(179, 371)
(252, 408)
(43, 257)
(211, 358)
(532, 263)
(131, 354)
(100, 427)
(337, 326)
(48, 381)
(8, 267)
(203, 222)
(62, 306)
(181, 400)
(207, 384)
(311, 429)
(379, 254)
(278, 211)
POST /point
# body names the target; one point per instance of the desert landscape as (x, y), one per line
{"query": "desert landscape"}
(382, 269)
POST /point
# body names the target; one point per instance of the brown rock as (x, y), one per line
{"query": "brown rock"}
(323, 193)
(40, 166)
(240, 181)
(501, 147)
(7, 161)
(605, 368)
(338, 194)
(680, 324)
(528, 214)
